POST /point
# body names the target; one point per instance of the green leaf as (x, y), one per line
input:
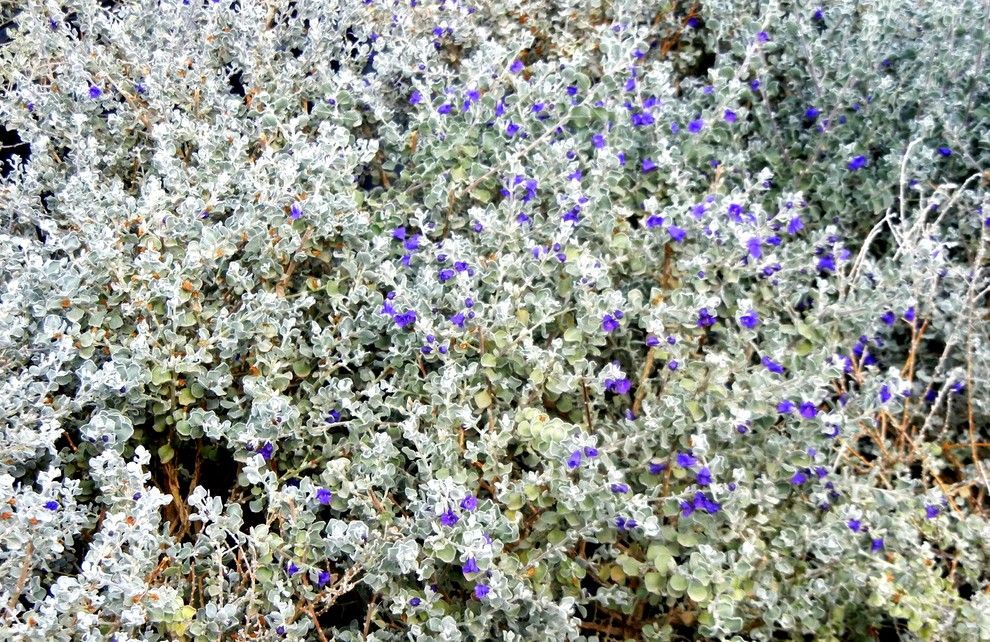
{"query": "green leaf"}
(573, 335)
(677, 582)
(302, 368)
(165, 453)
(447, 553)
(482, 399)
(698, 592)
(652, 581)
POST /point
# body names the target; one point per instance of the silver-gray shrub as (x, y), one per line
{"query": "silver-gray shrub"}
(496, 320)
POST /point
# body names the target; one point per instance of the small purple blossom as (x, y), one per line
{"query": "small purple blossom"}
(609, 323)
(730, 116)
(798, 478)
(52, 505)
(749, 320)
(648, 165)
(448, 518)
(470, 566)
(619, 488)
(772, 365)
(857, 163)
(854, 525)
(696, 125)
(323, 496)
(618, 386)
(574, 460)
(95, 92)
(705, 319)
(516, 67)
(808, 410)
(704, 477)
(481, 591)
(686, 460)
(266, 450)
(469, 503)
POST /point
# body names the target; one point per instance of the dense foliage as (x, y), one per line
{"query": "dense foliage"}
(521, 320)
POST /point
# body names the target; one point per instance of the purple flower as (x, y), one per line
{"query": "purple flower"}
(735, 212)
(574, 460)
(785, 407)
(656, 468)
(884, 393)
(654, 220)
(95, 92)
(618, 386)
(399, 233)
(762, 36)
(458, 319)
(266, 450)
(772, 365)
(415, 98)
(481, 591)
(516, 67)
(292, 568)
(52, 505)
(470, 566)
(876, 545)
(412, 243)
(808, 410)
(641, 119)
(406, 318)
(609, 323)
(696, 125)
(754, 84)
(857, 163)
(686, 460)
(598, 141)
(749, 320)
(945, 151)
(590, 452)
(295, 211)
(909, 314)
(705, 319)
(888, 317)
(572, 90)
(324, 578)
(415, 601)
(652, 341)
(854, 525)
(676, 233)
(444, 109)
(799, 478)
(323, 496)
(754, 247)
(672, 364)
(511, 128)
(704, 477)
(469, 503)
(619, 488)
(811, 113)
(648, 165)
(795, 225)
(446, 275)
(932, 511)
(448, 518)
(730, 116)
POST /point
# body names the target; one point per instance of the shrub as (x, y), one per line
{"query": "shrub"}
(449, 321)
